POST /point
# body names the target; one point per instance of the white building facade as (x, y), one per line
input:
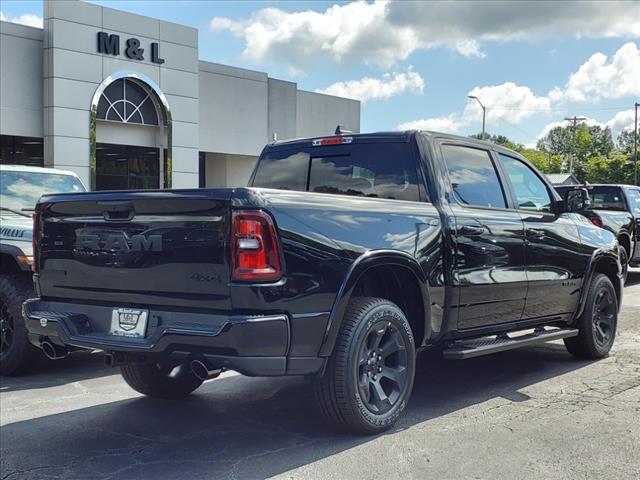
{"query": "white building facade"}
(124, 101)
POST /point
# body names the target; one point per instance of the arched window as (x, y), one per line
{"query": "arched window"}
(127, 101)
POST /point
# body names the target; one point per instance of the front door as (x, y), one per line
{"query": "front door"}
(555, 266)
(489, 268)
(126, 167)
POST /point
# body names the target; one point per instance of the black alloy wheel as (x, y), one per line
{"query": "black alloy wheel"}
(382, 367)
(369, 377)
(598, 322)
(604, 318)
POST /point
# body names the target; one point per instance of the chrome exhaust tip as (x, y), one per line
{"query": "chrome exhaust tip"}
(202, 372)
(53, 352)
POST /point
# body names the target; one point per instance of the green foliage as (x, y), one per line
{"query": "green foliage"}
(625, 141)
(591, 150)
(615, 168)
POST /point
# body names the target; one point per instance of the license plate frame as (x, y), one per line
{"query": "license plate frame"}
(129, 322)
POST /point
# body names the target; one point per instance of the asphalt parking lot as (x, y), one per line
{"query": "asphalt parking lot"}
(529, 413)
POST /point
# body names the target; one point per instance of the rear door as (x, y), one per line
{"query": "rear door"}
(489, 268)
(554, 259)
(137, 248)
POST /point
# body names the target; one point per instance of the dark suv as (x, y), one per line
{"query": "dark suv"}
(616, 208)
(344, 257)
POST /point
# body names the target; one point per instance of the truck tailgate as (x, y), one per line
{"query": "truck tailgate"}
(136, 248)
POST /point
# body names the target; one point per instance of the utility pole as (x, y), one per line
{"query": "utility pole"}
(575, 120)
(635, 145)
(484, 111)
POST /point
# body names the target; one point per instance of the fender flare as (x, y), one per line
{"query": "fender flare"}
(599, 255)
(371, 259)
(14, 251)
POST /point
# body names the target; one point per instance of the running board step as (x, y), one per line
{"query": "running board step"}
(462, 350)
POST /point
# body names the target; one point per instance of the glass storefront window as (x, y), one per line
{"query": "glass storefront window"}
(21, 150)
(124, 167)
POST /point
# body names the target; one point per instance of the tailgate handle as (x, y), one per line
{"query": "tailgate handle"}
(117, 211)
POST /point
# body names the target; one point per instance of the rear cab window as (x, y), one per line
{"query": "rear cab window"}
(605, 197)
(375, 170)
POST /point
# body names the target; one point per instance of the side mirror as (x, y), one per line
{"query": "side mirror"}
(576, 199)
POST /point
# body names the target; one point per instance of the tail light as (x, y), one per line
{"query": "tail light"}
(35, 264)
(597, 221)
(255, 251)
(338, 140)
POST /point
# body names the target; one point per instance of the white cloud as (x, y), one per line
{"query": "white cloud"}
(601, 77)
(368, 88)
(512, 102)
(342, 32)
(445, 124)
(29, 19)
(622, 121)
(382, 33)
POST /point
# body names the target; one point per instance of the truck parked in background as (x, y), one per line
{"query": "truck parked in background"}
(20, 189)
(616, 208)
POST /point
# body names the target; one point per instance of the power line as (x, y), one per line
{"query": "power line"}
(498, 107)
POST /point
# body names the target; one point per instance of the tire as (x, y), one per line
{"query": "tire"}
(16, 352)
(624, 261)
(374, 336)
(153, 380)
(598, 322)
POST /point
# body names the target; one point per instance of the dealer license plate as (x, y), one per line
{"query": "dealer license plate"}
(129, 322)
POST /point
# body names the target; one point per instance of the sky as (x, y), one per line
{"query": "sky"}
(413, 64)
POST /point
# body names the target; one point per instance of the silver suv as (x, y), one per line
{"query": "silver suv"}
(20, 188)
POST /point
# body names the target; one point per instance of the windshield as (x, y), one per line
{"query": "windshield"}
(633, 195)
(21, 190)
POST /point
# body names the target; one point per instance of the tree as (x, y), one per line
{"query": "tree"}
(615, 168)
(625, 141)
(601, 140)
(499, 140)
(596, 158)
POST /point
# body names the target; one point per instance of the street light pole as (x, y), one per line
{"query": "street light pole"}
(484, 111)
(635, 145)
(573, 119)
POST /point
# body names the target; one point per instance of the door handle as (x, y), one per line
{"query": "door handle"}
(471, 230)
(533, 232)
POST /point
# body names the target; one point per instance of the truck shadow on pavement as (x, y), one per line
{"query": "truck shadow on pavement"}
(249, 428)
(47, 373)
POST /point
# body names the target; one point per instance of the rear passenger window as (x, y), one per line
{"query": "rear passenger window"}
(473, 177)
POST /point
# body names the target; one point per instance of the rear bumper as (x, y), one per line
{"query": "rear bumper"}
(252, 345)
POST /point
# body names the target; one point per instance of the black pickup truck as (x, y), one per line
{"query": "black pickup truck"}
(616, 208)
(344, 257)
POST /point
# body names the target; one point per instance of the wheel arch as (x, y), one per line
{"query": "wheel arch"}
(606, 262)
(402, 273)
(624, 239)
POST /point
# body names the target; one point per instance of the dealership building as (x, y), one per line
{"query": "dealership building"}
(125, 102)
